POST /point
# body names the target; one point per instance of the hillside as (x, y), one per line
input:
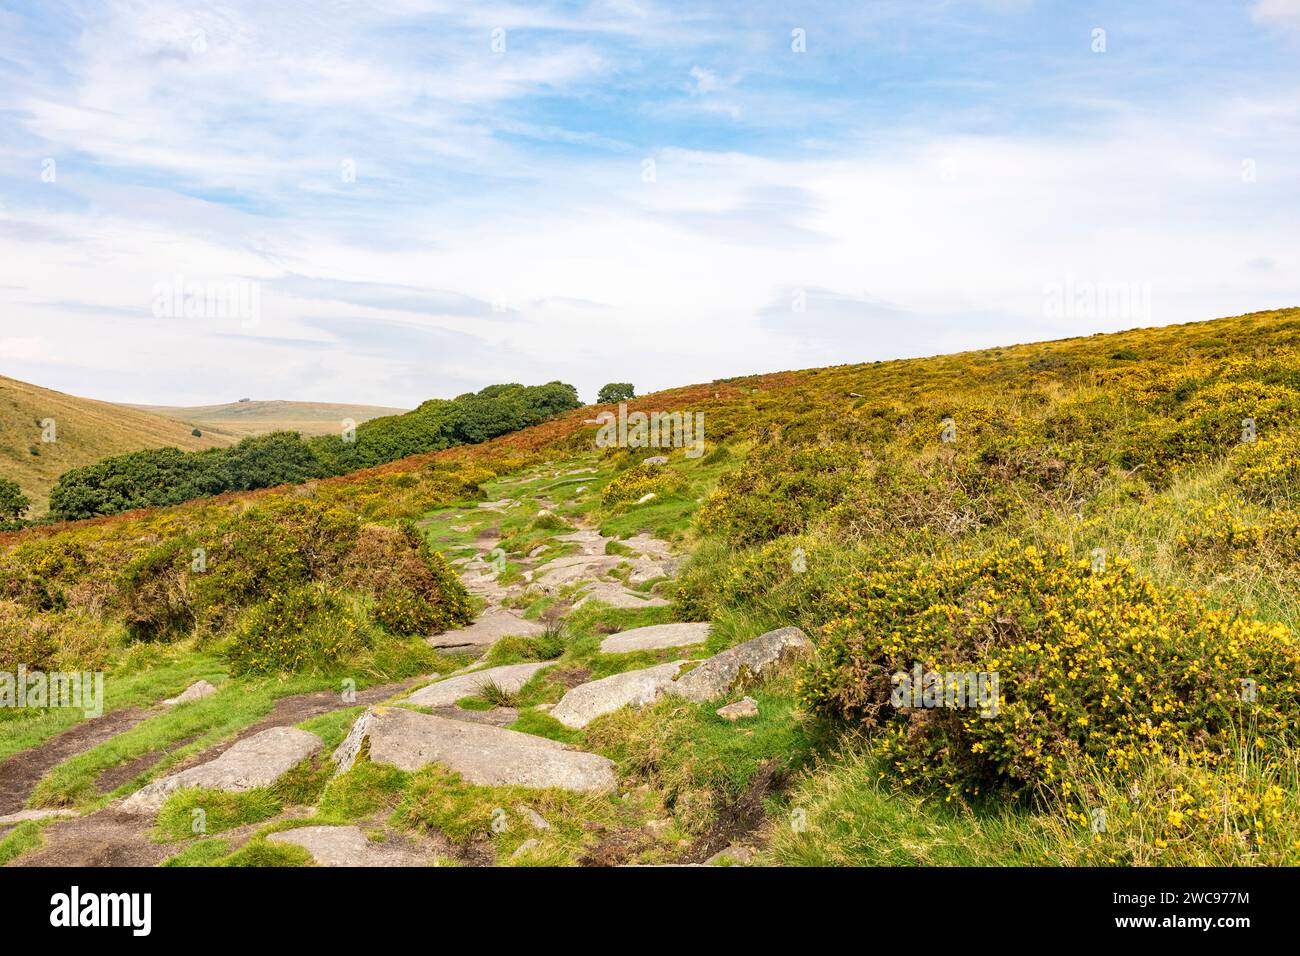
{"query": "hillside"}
(85, 431)
(1049, 587)
(260, 417)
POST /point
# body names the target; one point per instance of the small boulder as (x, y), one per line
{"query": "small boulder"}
(490, 627)
(535, 819)
(256, 761)
(749, 660)
(345, 846)
(490, 756)
(656, 460)
(531, 844)
(509, 677)
(745, 707)
(196, 691)
(584, 703)
(731, 856)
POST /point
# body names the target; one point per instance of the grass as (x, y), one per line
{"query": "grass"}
(172, 734)
(22, 838)
(168, 673)
(701, 762)
(845, 812)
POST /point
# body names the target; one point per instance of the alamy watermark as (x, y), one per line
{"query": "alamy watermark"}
(1075, 299)
(651, 430)
(76, 689)
(968, 690)
(237, 299)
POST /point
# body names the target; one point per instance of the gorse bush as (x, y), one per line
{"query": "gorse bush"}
(154, 592)
(270, 548)
(1210, 426)
(635, 483)
(415, 590)
(783, 493)
(1095, 669)
(24, 642)
(311, 628)
(1268, 469)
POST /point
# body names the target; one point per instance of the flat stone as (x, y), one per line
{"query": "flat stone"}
(345, 846)
(196, 691)
(752, 659)
(649, 545)
(571, 570)
(490, 756)
(497, 716)
(22, 816)
(615, 595)
(490, 627)
(584, 703)
(530, 844)
(654, 637)
(588, 540)
(444, 693)
(648, 496)
(256, 761)
(729, 856)
(745, 707)
(643, 571)
(656, 460)
(535, 819)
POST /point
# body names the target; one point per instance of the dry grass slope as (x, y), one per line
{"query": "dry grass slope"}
(86, 430)
(261, 417)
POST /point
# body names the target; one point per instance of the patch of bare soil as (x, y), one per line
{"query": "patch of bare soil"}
(21, 772)
(106, 838)
(569, 677)
(124, 773)
(615, 845)
(741, 818)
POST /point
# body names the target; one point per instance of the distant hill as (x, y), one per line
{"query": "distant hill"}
(85, 431)
(257, 418)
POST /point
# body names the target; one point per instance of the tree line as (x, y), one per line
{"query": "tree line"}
(167, 476)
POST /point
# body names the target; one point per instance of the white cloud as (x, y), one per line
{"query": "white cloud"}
(1284, 13)
(905, 237)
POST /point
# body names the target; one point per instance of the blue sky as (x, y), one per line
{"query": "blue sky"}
(430, 197)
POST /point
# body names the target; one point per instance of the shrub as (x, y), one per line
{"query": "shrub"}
(1222, 539)
(1268, 469)
(271, 547)
(39, 573)
(415, 590)
(780, 493)
(635, 483)
(1095, 669)
(1209, 425)
(26, 640)
(310, 628)
(615, 392)
(13, 503)
(154, 591)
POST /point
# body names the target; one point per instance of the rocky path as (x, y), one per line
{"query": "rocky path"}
(576, 567)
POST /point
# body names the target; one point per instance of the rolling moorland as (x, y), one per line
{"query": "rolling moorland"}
(1107, 523)
(243, 419)
(86, 431)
